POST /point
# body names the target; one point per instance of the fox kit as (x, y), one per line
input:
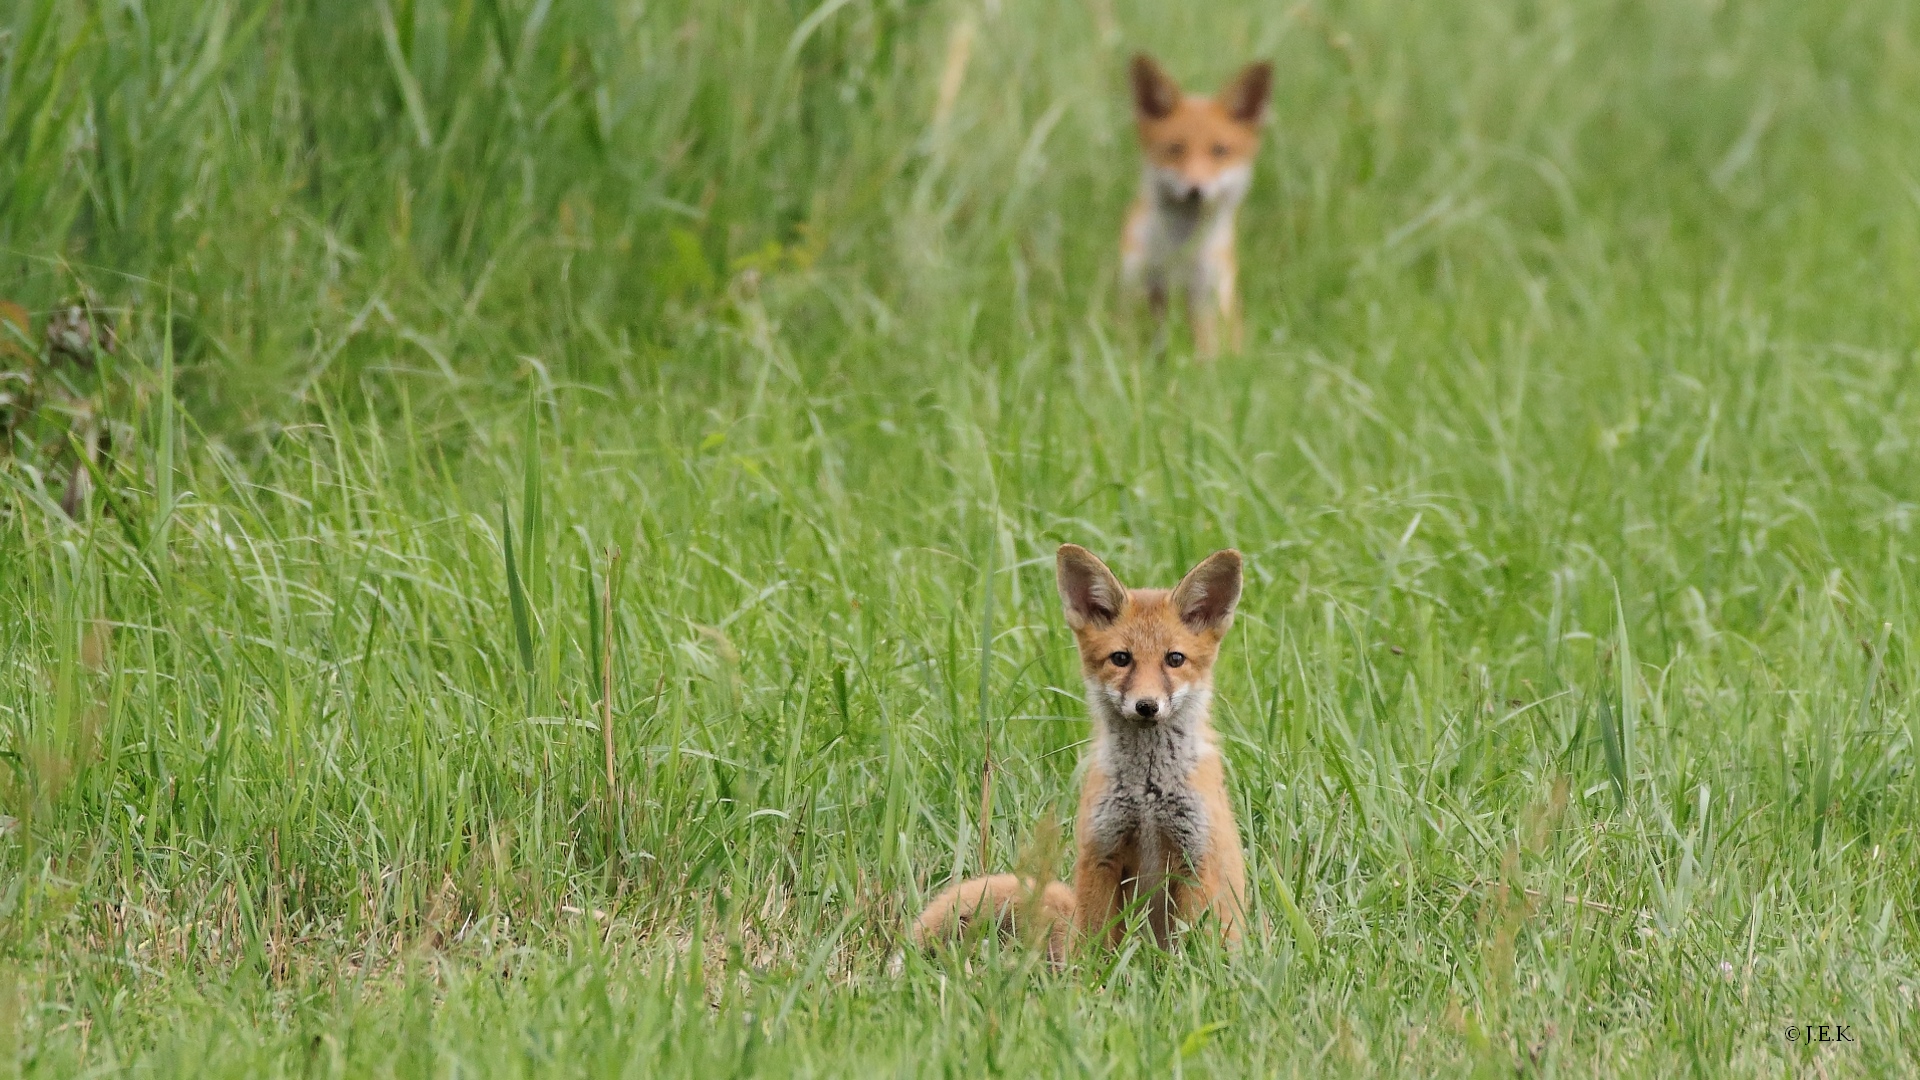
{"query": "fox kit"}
(1199, 162)
(1155, 827)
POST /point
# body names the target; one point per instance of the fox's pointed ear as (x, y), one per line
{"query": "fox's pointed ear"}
(1205, 598)
(1245, 98)
(1154, 91)
(1092, 595)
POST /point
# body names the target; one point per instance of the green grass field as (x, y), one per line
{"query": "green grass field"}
(1571, 716)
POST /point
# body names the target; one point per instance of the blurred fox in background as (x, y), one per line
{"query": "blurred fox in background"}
(1155, 831)
(1199, 163)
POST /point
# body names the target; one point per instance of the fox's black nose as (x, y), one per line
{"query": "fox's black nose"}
(1146, 707)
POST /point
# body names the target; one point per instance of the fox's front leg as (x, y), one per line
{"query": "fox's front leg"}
(1213, 300)
(1096, 895)
(1157, 311)
(1230, 317)
(1214, 890)
(1143, 270)
(1202, 316)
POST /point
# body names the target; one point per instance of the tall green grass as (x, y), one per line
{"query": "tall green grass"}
(1571, 712)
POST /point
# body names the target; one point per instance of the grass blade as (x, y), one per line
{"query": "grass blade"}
(416, 103)
(592, 610)
(1828, 748)
(163, 465)
(1629, 696)
(605, 663)
(532, 517)
(1304, 939)
(517, 598)
(1616, 756)
(986, 704)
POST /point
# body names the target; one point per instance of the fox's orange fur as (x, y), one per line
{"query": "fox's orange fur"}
(1155, 827)
(1199, 155)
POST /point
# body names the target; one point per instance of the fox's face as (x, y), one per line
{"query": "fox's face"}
(1147, 654)
(1200, 150)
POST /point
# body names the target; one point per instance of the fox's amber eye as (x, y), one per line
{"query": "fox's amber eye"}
(1175, 659)
(1121, 658)
(1219, 150)
(1178, 149)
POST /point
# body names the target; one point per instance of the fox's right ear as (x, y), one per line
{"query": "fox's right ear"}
(1245, 98)
(1154, 92)
(1090, 592)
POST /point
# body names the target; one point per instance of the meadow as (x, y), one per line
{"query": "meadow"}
(534, 528)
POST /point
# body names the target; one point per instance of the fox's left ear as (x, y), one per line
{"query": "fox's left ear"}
(1245, 98)
(1205, 598)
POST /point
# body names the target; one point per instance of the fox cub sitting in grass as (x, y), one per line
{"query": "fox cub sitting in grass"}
(1199, 163)
(1155, 827)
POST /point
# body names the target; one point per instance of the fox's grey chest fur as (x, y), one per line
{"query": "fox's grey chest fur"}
(1177, 221)
(1150, 799)
(1181, 231)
